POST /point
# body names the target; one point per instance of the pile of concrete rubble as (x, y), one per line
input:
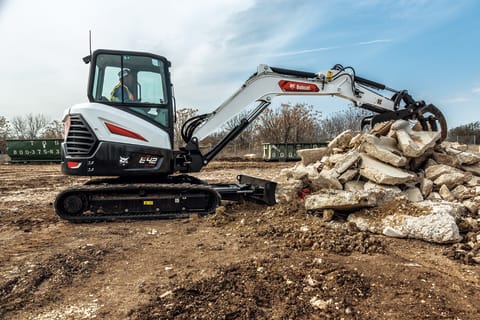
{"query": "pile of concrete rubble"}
(423, 187)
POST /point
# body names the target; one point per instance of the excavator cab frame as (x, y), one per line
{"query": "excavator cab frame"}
(152, 90)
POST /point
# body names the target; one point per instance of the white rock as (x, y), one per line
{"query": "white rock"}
(287, 190)
(384, 149)
(432, 172)
(414, 194)
(438, 226)
(324, 180)
(451, 180)
(413, 143)
(342, 140)
(456, 210)
(462, 192)
(446, 159)
(434, 196)
(463, 157)
(474, 182)
(321, 304)
(348, 176)
(370, 185)
(347, 161)
(471, 205)
(456, 146)
(340, 200)
(474, 169)
(300, 171)
(309, 156)
(354, 186)
(393, 233)
(382, 173)
(426, 186)
(356, 140)
(445, 193)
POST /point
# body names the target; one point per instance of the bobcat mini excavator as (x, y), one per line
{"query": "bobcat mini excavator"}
(128, 140)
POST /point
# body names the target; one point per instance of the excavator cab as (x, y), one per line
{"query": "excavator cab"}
(126, 128)
(136, 82)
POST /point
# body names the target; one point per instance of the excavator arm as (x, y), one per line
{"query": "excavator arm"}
(258, 92)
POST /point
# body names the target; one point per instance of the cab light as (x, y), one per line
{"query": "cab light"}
(295, 86)
(124, 132)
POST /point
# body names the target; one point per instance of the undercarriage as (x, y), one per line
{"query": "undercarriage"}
(174, 197)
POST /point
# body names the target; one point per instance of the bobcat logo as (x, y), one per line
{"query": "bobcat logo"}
(124, 161)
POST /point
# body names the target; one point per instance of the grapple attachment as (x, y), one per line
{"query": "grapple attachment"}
(429, 116)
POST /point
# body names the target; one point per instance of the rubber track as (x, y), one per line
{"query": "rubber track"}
(126, 194)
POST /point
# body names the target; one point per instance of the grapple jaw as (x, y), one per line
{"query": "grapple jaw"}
(429, 116)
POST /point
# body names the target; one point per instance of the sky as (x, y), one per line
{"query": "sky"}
(429, 47)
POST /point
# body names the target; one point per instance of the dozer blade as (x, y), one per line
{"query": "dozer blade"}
(248, 188)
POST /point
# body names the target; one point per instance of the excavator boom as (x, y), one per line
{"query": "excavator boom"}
(270, 82)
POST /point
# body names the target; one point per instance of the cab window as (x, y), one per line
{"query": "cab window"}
(132, 81)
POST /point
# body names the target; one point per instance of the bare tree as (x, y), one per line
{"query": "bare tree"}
(4, 132)
(182, 116)
(35, 125)
(19, 127)
(289, 124)
(54, 130)
(247, 138)
(30, 126)
(340, 121)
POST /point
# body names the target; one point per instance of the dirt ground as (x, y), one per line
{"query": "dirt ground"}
(248, 262)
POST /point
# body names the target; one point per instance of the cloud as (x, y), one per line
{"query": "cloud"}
(476, 90)
(457, 100)
(373, 42)
(292, 53)
(298, 52)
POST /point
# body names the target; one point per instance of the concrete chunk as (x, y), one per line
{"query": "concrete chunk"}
(369, 186)
(340, 200)
(346, 161)
(432, 172)
(472, 205)
(382, 173)
(451, 180)
(287, 190)
(426, 186)
(342, 140)
(384, 149)
(433, 222)
(414, 194)
(354, 186)
(446, 159)
(462, 192)
(325, 180)
(463, 157)
(309, 156)
(413, 143)
(348, 176)
(445, 193)
(474, 169)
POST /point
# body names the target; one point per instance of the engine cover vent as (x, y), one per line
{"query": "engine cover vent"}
(80, 140)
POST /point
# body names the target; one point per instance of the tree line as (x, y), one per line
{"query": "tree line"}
(297, 123)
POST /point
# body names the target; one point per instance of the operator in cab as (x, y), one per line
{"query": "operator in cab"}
(122, 92)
